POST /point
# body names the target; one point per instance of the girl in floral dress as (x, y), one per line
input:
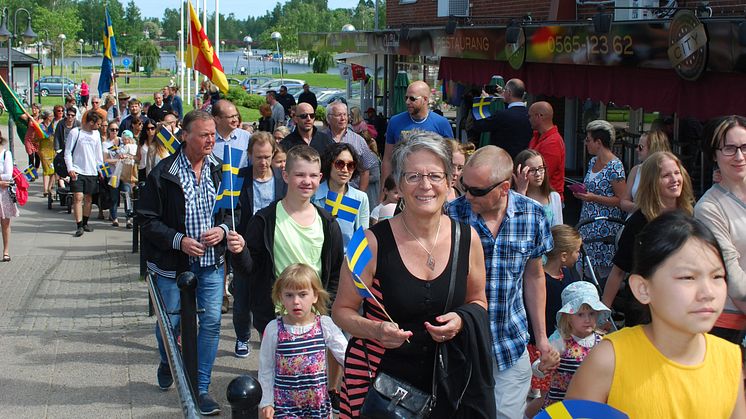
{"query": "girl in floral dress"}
(575, 336)
(292, 359)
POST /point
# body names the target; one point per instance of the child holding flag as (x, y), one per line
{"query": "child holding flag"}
(349, 205)
(294, 382)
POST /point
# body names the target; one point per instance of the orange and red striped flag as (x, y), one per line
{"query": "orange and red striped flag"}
(200, 54)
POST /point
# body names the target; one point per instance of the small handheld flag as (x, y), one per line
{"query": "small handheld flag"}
(358, 256)
(572, 409)
(230, 186)
(481, 107)
(104, 170)
(114, 148)
(342, 207)
(169, 141)
(30, 173)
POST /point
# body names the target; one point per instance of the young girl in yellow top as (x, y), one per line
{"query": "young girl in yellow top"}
(671, 367)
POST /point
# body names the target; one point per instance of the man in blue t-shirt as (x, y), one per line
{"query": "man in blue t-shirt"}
(417, 116)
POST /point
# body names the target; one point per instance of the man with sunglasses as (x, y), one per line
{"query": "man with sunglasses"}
(417, 116)
(306, 132)
(548, 141)
(63, 129)
(515, 235)
(509, 128)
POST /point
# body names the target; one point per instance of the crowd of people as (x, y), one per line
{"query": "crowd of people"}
(471, 294)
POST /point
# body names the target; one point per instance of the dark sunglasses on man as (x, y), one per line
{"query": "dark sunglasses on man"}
(312, 115)
(480, 191)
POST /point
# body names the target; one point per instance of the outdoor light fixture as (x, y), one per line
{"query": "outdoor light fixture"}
(404, 33)
(601, 22)
(512, 32)
(4, 32)
(451, 25)
(29, 35)
(348, 28)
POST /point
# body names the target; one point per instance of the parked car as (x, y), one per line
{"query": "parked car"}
(250, 84)
(275, 84)
(52, 85)
(233, 82)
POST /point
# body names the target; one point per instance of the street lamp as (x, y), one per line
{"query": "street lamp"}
(248, 41)
(348, 28)
(6, 35)
(277, 37)
(80, 64)
(62, 63)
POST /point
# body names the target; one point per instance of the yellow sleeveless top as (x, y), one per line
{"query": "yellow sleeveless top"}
(646, 384)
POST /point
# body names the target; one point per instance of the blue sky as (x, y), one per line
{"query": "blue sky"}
(241, 8)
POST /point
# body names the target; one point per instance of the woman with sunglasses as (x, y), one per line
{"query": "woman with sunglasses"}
(156, 150)
(410, 273)
(113, 154)
(142, 147)
(723, 208)
(650, 142)
(604, 185)
(338, 166)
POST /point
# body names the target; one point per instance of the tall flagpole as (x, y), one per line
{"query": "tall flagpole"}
(181, 56)
(217, 28)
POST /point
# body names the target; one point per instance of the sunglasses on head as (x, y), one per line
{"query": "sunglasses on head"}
(480, 191)
(311, 115)
(341, 164)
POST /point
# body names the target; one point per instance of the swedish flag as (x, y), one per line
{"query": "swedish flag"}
(358, 256)
(230, 186)
(30, 173)
(571, 409)
(110, 51)
(342, 207)
(105, 170)
(481, 107)
(114, 148)
(169, 141)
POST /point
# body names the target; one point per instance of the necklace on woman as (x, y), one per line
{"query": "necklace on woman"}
(430, 259)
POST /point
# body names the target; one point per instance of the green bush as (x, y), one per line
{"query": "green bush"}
(237, 95)
(320, 113)
(254, 101)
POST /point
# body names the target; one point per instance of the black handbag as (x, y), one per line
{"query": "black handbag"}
(58, 163)
(393, 398)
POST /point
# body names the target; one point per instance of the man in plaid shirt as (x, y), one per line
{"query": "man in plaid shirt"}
(515, 234)
(180, 234)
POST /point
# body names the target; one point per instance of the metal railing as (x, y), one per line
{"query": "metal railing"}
(184, 384)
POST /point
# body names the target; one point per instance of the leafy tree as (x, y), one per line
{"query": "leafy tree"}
(322, 62)
(148, 55)
(64, 20)
(132, 28)
(170, 23)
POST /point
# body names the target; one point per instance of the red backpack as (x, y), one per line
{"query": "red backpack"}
(21, 184)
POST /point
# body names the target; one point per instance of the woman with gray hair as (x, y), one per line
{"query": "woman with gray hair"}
(410, 273)
(604, 187)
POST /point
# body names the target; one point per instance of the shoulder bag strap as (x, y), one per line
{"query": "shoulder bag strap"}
(451, 287)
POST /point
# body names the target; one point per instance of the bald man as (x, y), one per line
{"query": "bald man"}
(509, 128)
(515, 235)
(548, 141)
(227, 131)
(305, 132)
(417, 116)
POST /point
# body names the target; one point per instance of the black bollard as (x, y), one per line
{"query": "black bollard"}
(187, 283)
(244, 394)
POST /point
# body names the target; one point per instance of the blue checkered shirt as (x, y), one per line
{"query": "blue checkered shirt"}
(199, 200)
(524, 234)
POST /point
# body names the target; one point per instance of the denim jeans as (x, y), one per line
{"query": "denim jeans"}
(127, 189)
(209, 297)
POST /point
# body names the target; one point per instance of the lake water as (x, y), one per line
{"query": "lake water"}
(232, 62)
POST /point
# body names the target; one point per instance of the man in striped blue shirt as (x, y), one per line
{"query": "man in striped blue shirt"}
(515, 234)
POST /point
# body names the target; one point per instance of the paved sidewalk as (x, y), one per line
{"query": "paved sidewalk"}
(75, 338)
